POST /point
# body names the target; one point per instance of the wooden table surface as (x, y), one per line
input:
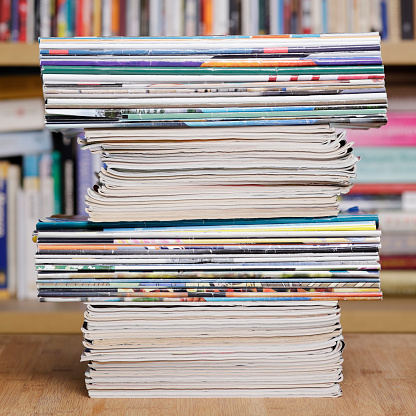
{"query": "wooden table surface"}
(42, 375)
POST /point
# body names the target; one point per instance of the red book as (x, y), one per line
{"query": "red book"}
(398, 262)
(22, 20)
(122, 17)
(79, 12)
(287, 15)
(5, 17)
(382, 188)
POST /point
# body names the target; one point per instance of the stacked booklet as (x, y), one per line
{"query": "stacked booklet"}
(213, 255)
(213, 81)
(219, 172)
(288, 350)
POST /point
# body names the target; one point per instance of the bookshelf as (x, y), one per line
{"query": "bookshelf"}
(392, 315)
(27, 54)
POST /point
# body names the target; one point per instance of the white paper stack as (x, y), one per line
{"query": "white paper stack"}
(232, 172)
(289, 349)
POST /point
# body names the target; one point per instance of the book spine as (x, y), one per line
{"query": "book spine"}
(206, 9)
(325, 27)
(274, 16)
(32, 204)
(96, 18)
(174, 20)
(398, 262)
(133, 17)
(70, 15)
(66, 147)
(394, 20)
(221, 13)
(3, 227)
(53, 18)
(122, 18)
(84, 173)
(144, 18)
(57, 182)
(385, 30)
(22, 11)
(46, 185)
(295, 17)
(376, 24)
(30, 21)
(22, 258)
(155, 17)
(407, 19)
(316, 16)
(106, 17)
(13, 185)
(306, 21)
(115, 18)
(61, 18)
(86, 17)
(5, 19)
(14, 22)
(382, 188)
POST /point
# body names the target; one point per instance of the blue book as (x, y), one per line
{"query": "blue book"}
(3, 226)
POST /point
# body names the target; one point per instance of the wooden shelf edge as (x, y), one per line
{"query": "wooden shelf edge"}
(400, 53)
(19, 54)
(27, 54)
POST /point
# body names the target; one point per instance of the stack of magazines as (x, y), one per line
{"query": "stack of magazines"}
(286, 350)
(227, 172)
(213, 250)
(208, 261)
(213, 81)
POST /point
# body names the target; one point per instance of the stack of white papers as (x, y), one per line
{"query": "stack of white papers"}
(289, 349)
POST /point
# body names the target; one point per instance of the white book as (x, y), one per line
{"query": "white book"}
(375, 15)
(156, 18)
(45, 18)
(276, 17)
(32, 213)
(21, 114)
(220, 18)
(133, 18)
(316, 16)
(46, 186)
(106, 17)
(174, 17)
(191, 17)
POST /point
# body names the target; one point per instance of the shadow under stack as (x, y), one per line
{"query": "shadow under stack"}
(214, 255)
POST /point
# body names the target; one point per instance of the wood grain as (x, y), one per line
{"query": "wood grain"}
(42, 375)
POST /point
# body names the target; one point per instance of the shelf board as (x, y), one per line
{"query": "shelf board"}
(27, 54)
(400, 53)
(19, 54)
(392, 315)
